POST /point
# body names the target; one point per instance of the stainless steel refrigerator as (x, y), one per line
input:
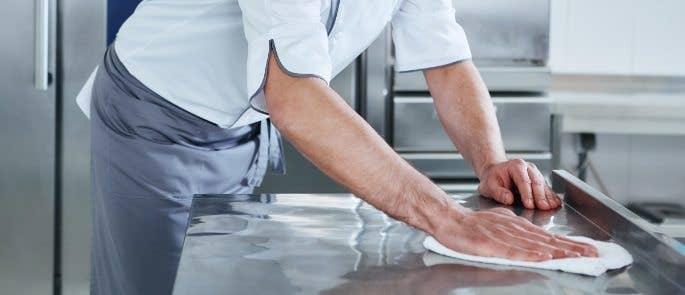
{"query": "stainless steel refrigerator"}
(47, 49)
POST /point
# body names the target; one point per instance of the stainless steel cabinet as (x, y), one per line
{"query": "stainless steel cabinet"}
(524, 122)
(453, 166)
(418, 135)
(27, 146)
(504, 32)
(509, 41)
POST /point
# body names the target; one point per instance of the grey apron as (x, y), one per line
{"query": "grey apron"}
(148, 158)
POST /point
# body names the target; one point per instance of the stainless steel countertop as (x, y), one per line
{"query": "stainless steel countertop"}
(337, 244)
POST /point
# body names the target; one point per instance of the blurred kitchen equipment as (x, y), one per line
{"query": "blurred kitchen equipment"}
(665, 218)
(509, 41)
(510, 44)
(49, 48)
(658, 212)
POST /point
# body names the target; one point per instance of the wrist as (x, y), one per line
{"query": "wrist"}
(446, 215)
(483, 168)
(432, 208)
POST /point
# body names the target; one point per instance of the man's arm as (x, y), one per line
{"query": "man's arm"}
(318, 122)
(465, 109)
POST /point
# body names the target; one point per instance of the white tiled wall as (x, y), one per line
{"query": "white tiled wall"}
(624, 37)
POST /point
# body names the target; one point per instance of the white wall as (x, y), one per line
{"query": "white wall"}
(635, 168)
(625, 37)
(618, 37)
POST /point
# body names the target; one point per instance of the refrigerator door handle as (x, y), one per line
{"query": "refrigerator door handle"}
(41, 43)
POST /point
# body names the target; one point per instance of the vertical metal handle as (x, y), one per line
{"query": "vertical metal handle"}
(41, 43)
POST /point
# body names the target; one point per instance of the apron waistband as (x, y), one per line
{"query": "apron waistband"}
(142, 112)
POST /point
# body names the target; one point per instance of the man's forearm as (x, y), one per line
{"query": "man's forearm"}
(340, 143)
(465, 110)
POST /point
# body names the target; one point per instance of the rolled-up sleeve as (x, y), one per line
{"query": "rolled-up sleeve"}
(427, 35)
(294, 31)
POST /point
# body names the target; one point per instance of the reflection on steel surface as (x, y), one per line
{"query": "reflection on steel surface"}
(337, 244)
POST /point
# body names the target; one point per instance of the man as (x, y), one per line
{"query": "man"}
(172, 116)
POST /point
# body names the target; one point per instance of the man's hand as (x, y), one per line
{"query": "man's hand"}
(500, 233)
(502, 181)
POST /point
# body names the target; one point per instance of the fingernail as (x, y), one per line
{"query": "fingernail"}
(544, 256)
(572, 254)
(545, 204)
(507, 198)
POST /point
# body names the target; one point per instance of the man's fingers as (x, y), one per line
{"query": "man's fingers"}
(523, 228)
(551, 195)
(524, 178)
(584, 249)
(531, 242)
(538, 187)
(535, 232)
(496, 247)
(497, 192)
(519, 173)
(503, 195)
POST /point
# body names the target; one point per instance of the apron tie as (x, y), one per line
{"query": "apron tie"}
(269, 154)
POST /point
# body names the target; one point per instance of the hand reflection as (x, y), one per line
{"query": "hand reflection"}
(539, 217)
(433, 279)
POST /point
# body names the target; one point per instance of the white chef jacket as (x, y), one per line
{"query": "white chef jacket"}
(209, 57)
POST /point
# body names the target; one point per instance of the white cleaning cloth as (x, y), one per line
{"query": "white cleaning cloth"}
(611, 256)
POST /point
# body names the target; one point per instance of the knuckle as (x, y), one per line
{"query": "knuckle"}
(519, 161)
(523, 167)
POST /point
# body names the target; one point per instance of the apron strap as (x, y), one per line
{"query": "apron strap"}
(269, 154)
(276, 154)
